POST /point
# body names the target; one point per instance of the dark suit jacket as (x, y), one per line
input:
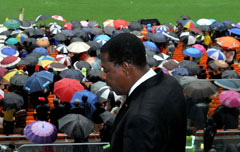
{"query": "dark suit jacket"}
(152, 119)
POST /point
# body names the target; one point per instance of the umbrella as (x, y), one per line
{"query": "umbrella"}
(45, 63)
(38, 81)
(216, 54)
(228, 84)
(27, 24)
(169, 64)
(82, 66)
(61, 48)
(158, 37)
(218, 64)
(151, 61)
(218, 26)
(101, 39)
(59, 18)
(16, 32)
(1, 94)
(72, 74)
(193, 52)
(94, 75)
(82, 34)
(38, 32)
(47, 57)
(200, 47)
(84, 23)
(120, 24)
(2, 71)
(180, 71)
(93, 46)
(96, 86)
(199, 89)
(40, 50)
(12, 101)
(171, 36)
(161, 28)
(106, 93)
(92, 98)
(68, 26)
(29, 61)
(41, 132)
(150, 46)
(108, 117)
(237, 25)
(235, 31)
(204, 21)
(191, 66)
(161, 57)
(60, 37)
(108, 23)
(9, 61)
(96, 31)
(185, 79)
(68, 32)
(11, 73)
(21, 37)
(109, 30)
(191, 25)
(54, 28)
(230, 98)
(92, 24)
(12, 24)
(187, 38)
(8, 51)
(204, 28)
(57, 66)
(229, 74)
(76, 125)
(12, 41)
(228, 42)
(64, 59)
(42, 17)
(135, 26)
(18, 79)
(65, 88)
(42, 42)
(78, 47)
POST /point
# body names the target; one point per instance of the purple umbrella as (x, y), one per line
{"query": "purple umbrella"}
(40, 132)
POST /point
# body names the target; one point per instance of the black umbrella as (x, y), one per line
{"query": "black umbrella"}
(72, 74)
(18, 79)
(79, 65)
(185, 17)
(42, 17)
(26, 24)
(76, 125)
(68, 32)
(31, 40)
(93, 46)
(135, 26)
(109, 30)
(187, 38)
(158, 37)
(29, 32)
(12, 101)
(93, 24)
(38, 32)
(191, 66)
(151, 61)
(29, 61)
(204, 28)
(218, 26)
(82, 34)
(96, 31)
(7, 33)
(94, 75)
(57, 66)
(60, 37)
(37, 55)
(108, 117)
(76, 39)
(230, 74)
(76, 24)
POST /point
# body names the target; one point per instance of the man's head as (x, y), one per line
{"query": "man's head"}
(77, 103)
(124, 61)
(84, 98)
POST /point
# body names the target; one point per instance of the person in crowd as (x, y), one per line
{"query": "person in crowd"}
(96, 115)
(77, 109)
(42, 110)
(20, 118)
(56, 112)
(8, 121)
(87, 107)
(117, 107)
(151, 117)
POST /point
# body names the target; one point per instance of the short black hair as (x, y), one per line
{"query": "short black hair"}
(125, 47)
(84, 98)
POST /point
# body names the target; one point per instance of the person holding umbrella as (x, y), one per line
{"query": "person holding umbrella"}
(42, 110)
(153, 118)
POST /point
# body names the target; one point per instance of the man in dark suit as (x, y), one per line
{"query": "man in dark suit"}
(153, 118)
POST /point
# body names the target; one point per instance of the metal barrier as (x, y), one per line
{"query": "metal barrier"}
(63, 147)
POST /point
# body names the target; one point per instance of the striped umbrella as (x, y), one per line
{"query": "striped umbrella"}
(61, 48)
(64, 59)
(59, 18)
(216, 54)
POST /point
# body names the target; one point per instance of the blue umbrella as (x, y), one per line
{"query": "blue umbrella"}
(40, 50)
(101, 39)
(151, 46)
(180, 71)
(235, 31)
(228, 84)
(72, 74)
(12, 41)
(193, 52)
(218, 26)
(92, 98)
(8, 51)
(38, 81)
(216, 54)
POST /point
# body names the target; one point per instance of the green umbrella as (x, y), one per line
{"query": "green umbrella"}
(12, 24)
(12, 41)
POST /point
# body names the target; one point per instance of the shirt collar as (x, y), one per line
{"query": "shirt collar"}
(146, 76)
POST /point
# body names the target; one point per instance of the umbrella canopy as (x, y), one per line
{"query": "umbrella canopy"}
(57, 66)
(96, 31)
(230, 98)
(11, 73)
(38, 32)
(191, 25)
(171, 36)
(59, 18)
(199, 89)
(204, 21)
(41, 132)
(68, 32)
(180, 71)
(76, 125)
(61, 48)
(120, 24)
(42, 42)
(191, 66)
(65, 88)
(169, 64)
(108, 23)
(82, 66)
(12, 101)
(78, 47)
(108, 117)
(68, 26)
(40, 50)
(229, 74)
(18, 79)
(151, 46)
(218, 26)
(161, 57)
(8, 51)
(200, 47)
(60, 37)
(216, 54)
(12, 24)
(106, 93)
(38, 81)
(94, 62)
(47, 57)
(72, 74)
(228, 42)
(55, 28)
(218, 64)
(44, 63)
(193, 52)
(235, 31)
(1, 94)
(92, 98)
(94, 75)
(96, 86)
(12, 40)
(187, 38)
(228, 84)
(9, 61)
(42, 17)
(135, 26)
(158, 37)
(109, 30)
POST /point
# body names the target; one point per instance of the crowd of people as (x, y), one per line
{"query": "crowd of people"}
(28, 43)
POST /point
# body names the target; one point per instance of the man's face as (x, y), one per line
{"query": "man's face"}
(114, 75)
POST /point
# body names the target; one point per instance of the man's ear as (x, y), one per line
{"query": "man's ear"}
(126, 68)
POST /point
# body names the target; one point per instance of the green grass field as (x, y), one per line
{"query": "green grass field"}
(166, 11)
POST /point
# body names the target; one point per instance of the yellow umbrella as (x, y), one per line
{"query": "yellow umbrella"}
(11, 73)
(45, 63)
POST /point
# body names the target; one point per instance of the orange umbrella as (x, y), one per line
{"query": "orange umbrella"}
(43, 42)
(228, 42)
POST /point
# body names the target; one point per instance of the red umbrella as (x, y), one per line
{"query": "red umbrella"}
(68, 26)
(9, 61)
(60, 18)
(119, 24)
(65, 88)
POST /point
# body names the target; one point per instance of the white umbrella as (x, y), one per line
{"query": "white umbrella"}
(62, 48)
(78, 47)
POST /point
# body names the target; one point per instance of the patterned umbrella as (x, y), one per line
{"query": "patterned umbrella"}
(61, 48)
(108, 22)
(21, 37)
(200, 47)
(54, 28)
(218, 64)
(216, 54)
(59, 18)
(64, 59)
(11, 73)
(187, 38)
(230, 98)
(41, 132)
(47, 57)
(2, 71)
(105, 93)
